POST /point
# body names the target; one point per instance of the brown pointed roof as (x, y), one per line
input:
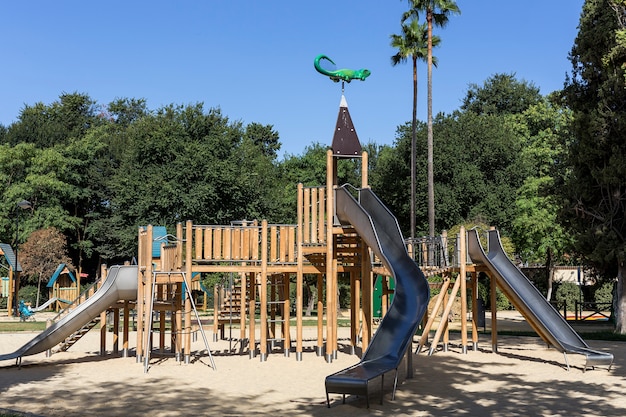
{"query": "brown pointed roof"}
(345, 141)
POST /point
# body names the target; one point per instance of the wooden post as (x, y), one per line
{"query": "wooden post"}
(367, 288)
(188, 272)
(433, 314)
(444, 317)
(116, 330)
(300, 273)
(177, 313)
(272, 309)
(384, 299)
(286, 315)
(242, 304)
(475, 311)
(216, 308)
(320, 315)
(252, 330)
(103, 317)
(354, 310)
(494, 314)
(141, 253)
(462, 277)
(162, 330)
(330, 255)
(147, 292)
(126, 330)
(263, 294)
(364, 163)
(447, 300)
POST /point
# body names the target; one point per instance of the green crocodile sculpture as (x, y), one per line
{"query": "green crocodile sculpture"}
(340, 74)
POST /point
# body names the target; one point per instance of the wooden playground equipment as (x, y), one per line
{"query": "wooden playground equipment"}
(265, 259)
(268, 262)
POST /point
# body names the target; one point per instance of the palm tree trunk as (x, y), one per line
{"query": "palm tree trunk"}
(431, 176)
(413, 147)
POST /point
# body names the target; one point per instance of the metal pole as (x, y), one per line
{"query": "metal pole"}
(23, 204)
(15, 272)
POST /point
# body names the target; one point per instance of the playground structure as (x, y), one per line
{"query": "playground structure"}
(341, 233)
(10, 284)
(62, 287)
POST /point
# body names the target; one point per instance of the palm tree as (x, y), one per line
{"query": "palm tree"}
(437, 12)
(412, 43)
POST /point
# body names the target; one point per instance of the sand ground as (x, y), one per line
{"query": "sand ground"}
(524, 378)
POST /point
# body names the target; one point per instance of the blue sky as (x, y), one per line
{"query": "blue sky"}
(254, 59)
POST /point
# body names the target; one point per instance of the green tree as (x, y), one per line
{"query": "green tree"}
(47, 125)
(501, 94)
(595, 189)
(264, 138)
(478, 169)
(182, 163)
(37, 175)
(538, 235)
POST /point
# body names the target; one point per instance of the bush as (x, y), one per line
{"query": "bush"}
(434, 284)
(28, 293)
(604, 293)
(569, 293)
(484, 292)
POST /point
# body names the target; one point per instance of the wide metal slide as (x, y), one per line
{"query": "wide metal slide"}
(120, 285)
(377, 226)
(538, 312)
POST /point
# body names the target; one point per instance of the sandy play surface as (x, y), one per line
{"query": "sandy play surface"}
(523, 379)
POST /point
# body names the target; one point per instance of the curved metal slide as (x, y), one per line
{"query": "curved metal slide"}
(120, 284)
(542, 317)
(379, 229)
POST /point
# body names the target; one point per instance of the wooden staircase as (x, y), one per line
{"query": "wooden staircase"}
(76, 336)
(228, 305)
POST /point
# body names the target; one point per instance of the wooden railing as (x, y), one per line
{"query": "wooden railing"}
(243, 243)
(312, 207)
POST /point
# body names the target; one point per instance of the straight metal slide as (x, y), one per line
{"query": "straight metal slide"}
(379, 229)
(120, 284)
(538, 312)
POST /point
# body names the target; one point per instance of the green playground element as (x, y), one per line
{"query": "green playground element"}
(344, 74)
(379, 293)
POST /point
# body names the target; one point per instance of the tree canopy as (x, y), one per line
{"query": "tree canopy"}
(594, 191)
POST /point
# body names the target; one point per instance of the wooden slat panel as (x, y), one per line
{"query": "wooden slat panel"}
(208, 242)
(237, 243)
(321, 207)
(245, 253)
(217, 243)
(313, 208)
(273, 244)
(307, 215)
(198, 243)
(284, 240)
(254, 242)
(227, 238)
(291, 244)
